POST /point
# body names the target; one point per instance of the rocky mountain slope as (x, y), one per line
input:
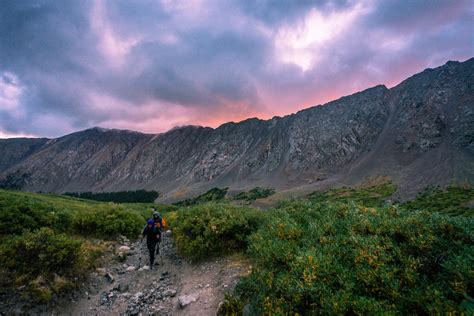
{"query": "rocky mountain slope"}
(418, 133)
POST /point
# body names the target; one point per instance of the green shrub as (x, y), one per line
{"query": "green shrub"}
(451, 200)
(369, 196)
(28, 211)
(138, 196)
(108, 223)
(213, 229)
(254, 194)
(213, 195)
(318, 258)
(46, 262)
(41, 251)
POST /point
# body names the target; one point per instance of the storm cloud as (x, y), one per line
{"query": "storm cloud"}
(152, 65)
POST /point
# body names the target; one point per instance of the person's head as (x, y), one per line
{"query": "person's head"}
(156, 215)
(150, 222)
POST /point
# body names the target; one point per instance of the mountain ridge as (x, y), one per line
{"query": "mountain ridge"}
(423, 122)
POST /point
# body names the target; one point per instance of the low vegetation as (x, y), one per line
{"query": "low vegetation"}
(213, 229)
(254, 194)
(45, 262)
(371, 196)
(343, 251)
(451, 200)
(45, 244)
(335, 258)
(213, 195)
(138, 196)
(26, 211)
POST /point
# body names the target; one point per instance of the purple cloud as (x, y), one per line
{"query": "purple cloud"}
(149, 65)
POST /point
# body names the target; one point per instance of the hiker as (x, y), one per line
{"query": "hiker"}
(160, 224)
(153, 235)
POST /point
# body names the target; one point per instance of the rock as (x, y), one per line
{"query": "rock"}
(138, 295)
(109, 277)
(170, 293)
(185, 300)
(124, 249)
(168, 233)
(144, 268)
(133, 310)
(101, 271)
(121, 287)
(130, 268)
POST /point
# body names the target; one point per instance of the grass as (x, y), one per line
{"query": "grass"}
(213, 229)
(254, 194)
(374, 195)
(451, 200)
(342, 251)
(48, 241)
(137, 196)
(336, 258)
(213, 195)
(28, 211)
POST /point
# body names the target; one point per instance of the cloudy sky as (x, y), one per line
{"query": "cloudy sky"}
(68, 65)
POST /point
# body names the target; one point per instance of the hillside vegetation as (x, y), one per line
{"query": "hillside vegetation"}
(451, 200)
(338, 258)
(254, 194)
(340, 251)
(346, 250)
(213, 195)
(138, 196)
(45, 240)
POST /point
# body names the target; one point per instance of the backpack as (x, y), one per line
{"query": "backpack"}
(159, 223)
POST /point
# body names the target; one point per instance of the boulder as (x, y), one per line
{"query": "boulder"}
(185, 300)
(124, 249)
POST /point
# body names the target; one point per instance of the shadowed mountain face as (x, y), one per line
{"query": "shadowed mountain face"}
(418, 133)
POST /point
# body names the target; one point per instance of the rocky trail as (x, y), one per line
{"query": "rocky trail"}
(174, 287)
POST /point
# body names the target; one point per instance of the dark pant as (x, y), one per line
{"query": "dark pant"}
(151, 249)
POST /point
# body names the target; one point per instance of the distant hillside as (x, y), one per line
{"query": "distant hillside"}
(418, 133)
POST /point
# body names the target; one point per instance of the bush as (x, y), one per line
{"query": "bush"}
(347, 259)
(451, 200)
(213, 195)
(213, 229)
(46, 262)
(369, 196)
(254, 194)
(138, 196)
(108, 223)
(27, 211)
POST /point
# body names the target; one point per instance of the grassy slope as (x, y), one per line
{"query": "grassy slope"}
(45, 239)
(290, 232)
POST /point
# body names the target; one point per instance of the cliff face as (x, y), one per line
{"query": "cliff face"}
(420, 132)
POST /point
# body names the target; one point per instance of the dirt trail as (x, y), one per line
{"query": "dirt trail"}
(173, 287)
